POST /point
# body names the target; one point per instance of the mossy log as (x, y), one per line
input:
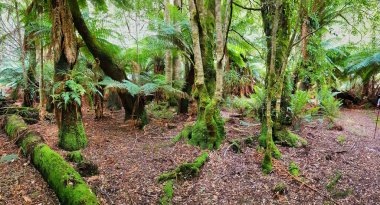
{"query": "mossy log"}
(30, 115)
(61, 177)
(186, 170)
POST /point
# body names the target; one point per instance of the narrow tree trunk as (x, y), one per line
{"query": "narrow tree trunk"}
(42, 104)
(189, 78)
(168, 54)
(29, 90)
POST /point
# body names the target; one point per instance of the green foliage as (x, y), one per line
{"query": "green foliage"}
(160, 110)
(148, 86)
(294, 170)
(166, 199)
(341, 139)
(250, 106)
(333, 181)
(298, 104)
(329, 105)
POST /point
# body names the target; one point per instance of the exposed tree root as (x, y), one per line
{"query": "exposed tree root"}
(186, 170)
(68, 185)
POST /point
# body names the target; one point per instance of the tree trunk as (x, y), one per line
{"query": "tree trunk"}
(68, 114)
(208, 130)
(189, 78)
(106, 62)
(29, 91)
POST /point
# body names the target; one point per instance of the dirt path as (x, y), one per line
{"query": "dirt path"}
(130, 161)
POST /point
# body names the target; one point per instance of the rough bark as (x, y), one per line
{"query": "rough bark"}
(69, 119)
(189, 78)
(31, 84)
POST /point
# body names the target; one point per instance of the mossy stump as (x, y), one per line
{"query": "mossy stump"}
(68, 185)
(72, 135)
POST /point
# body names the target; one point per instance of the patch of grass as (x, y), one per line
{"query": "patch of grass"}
(166, 199)
(294, 170)
(341, 139)
(333, 181)
(280, 188)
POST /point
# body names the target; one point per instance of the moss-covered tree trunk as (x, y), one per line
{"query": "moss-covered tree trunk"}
(68, 114)
(208, 130)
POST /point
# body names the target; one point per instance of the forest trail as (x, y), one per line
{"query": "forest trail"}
(130, 160)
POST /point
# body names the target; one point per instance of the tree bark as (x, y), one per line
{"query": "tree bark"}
(71, 134)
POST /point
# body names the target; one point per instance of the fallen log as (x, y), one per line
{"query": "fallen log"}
(67, 183)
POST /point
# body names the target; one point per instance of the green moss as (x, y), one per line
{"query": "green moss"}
(72, 136)
(294, 170)
(333, 181)
(75, 156)
(186, 170)
(15, 125)
(287, 138)
(62, 178)
(28, 143)
(267, 165)
(185, 133)
(208, 131)
(166, 199)
(280, 188)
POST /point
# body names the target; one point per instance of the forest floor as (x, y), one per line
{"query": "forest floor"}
(130, 160)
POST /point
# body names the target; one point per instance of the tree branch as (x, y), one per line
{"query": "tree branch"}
(246, 8)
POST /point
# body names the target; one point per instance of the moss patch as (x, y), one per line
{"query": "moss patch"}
(186, 170)
(62, 178)
(166, 199)
(294, 170)
(333, 181)
(208, 131)
(75, 156)
(72, 137)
